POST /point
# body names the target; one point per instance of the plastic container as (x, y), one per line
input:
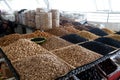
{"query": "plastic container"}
(39, 40)
(55, 14)
(45, 21)
(55, 23)
(108, 66)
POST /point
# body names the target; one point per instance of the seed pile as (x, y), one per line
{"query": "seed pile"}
(28, 35)
(109, 41)
(81, 27)
(76, 23)
(98, 32)
(74, 38)
(98, 47)
(8, 39)
(76, 55)
(41, 67)
(68, 24)
(37, 34)
(23, 48)
(58, 31)
(63, 22)
(88, 35)
(55, 43)
(44, 34)
(114, 36)
(71, 29)
(90, 27)
(108, 31)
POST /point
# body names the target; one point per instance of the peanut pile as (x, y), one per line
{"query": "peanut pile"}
(87, 35)
(71, 29)
(37, 34)
(23, 48)
(114, 36)
(58, 31)
(55, 43)
(6, 40)
(76, 55)
(108, 31)
(41, 67)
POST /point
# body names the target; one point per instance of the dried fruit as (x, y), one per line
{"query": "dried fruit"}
(74, 38)
(98, 32)
(109, 41)
(98, 47)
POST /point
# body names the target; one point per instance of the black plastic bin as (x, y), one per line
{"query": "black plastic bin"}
(90, 74)
(108, 66)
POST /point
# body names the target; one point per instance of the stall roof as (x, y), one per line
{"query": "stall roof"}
(65, 5)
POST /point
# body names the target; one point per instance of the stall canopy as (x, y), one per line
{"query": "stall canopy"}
(93, 10)
(65, 5)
